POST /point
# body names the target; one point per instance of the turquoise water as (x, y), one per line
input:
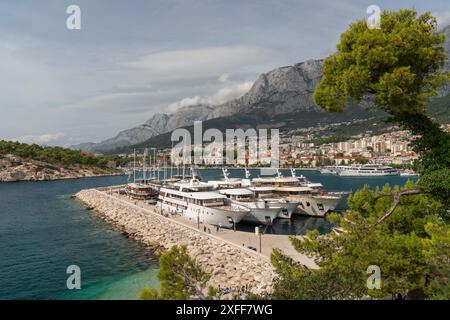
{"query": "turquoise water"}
(43, 231)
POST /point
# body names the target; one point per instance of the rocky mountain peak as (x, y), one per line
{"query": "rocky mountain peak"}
(281, 91)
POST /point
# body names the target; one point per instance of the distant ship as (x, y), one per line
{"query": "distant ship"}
(367, 170)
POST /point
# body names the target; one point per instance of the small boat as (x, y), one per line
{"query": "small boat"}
(140, 191)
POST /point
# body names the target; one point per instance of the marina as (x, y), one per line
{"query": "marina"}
(225, 223)
(226, 202)
(114, 266)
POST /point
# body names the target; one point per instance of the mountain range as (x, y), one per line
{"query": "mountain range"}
(281, 98)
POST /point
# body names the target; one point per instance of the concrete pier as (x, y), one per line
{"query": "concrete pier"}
(223, 254)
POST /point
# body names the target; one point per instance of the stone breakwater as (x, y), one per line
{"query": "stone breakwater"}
(229, 265)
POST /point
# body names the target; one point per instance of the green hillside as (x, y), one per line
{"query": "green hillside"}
(52, 155)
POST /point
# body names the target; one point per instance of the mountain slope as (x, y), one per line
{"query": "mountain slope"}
(282, 91)
(353, 121)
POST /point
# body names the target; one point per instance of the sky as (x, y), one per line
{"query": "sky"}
(132, 59)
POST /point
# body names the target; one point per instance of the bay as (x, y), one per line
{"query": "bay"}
(43, 231)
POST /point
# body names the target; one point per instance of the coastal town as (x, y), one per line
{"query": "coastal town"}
(300, 150)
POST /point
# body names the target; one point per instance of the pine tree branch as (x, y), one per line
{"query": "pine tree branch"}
(397, 197)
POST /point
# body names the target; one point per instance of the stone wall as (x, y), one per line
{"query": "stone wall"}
(230, 266)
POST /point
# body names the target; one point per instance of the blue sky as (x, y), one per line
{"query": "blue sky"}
(132, 59)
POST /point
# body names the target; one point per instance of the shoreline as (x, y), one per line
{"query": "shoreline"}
(230, 264)
(65, 178)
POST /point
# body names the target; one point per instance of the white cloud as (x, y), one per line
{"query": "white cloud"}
(43, 139)
(209, 60)
(229, 92)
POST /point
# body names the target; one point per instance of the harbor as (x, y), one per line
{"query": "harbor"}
(207, 216)
(226, 254)
(114, 266)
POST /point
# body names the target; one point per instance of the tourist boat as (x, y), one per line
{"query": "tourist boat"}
(230, 183)
(140, 191)
(368, 170)
(260, 212)
(265, 194)
(195, 200)
(312, 199)
(226, 183)
(328, 170)
(273, 200)
(332, 170)
(408, 173)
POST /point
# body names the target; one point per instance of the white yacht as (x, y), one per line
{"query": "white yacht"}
(408, 173)
(260, 212)
(312, 199)
(273, 200)
(196, 201)
(368, 170)
(226, 183)
(331, 170)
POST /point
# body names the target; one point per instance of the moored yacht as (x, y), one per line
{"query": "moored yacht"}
(140, 191)
(273, 200)
(367, 170)
(202, 206)
(260, 212)
(312, 199)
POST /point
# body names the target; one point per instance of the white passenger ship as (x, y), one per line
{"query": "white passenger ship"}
(367, 170)
(273, 200)
(192, 201)
(312, 199)
(260, 212)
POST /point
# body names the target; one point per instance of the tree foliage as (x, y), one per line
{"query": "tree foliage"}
(180, 278)
(404, 230)
(397, 66)
(409, 246)
(52, 155)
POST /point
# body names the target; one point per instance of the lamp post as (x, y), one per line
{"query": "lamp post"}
(230, 220)
(198, 220)
(259, 233)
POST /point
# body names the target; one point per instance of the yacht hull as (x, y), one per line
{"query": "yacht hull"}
(287, 208)
(315, 206)
(259, 215)
(217, 216)
(345, 173)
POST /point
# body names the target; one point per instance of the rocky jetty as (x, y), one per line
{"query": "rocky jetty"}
(14, 168)
(230, 266)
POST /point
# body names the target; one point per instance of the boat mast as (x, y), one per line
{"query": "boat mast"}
(164, 164)
(144, 175)
(134, 166)
(171, 165)
(154, 163)
(158, 170)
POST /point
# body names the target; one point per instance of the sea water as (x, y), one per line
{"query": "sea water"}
(43, 231)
